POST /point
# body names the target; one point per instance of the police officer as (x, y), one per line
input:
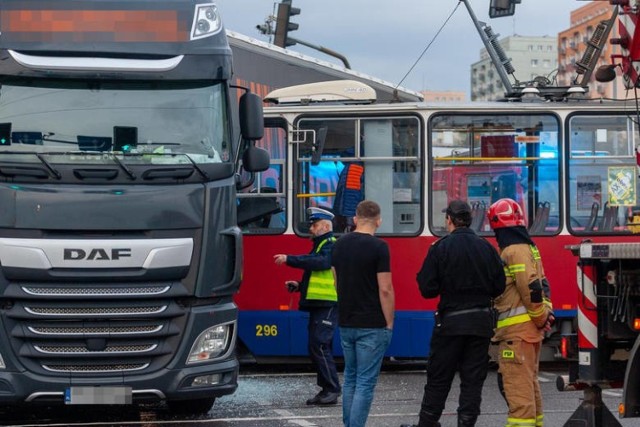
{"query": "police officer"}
(525, 313)
(318, 297)
(465, 271)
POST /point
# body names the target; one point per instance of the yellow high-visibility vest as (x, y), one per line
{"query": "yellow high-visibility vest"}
(321, 284)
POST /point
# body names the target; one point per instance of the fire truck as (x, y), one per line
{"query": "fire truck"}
(607, 347)
(120, 144)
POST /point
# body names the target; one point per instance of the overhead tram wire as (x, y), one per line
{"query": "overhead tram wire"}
(429, 45)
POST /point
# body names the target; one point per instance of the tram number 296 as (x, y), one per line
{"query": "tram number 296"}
(266, 330)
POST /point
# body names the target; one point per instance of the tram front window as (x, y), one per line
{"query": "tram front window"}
(376, 158)
(603, 186)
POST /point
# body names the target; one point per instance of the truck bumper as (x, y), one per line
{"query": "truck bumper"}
(18, 387)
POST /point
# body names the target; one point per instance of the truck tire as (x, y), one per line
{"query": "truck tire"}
(191, 407)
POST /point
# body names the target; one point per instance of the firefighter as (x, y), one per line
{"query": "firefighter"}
(524, 314)
(319, 299)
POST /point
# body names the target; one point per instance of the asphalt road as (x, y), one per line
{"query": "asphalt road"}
(277, 398)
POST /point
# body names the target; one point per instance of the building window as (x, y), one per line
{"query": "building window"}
(534, 62)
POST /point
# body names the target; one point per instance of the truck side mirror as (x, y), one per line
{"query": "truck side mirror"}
(251, 119)
(255, 159)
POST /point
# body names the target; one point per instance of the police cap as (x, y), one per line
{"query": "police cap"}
(317, 214)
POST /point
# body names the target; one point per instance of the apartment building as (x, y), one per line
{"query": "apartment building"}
(532, 57)
(573, 42)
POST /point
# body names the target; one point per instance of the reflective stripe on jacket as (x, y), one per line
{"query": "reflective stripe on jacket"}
(321, 284)
(519, 317)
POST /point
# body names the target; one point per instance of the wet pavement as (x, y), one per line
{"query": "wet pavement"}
(277, 399)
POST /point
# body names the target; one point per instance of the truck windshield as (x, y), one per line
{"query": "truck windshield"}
(65, 117)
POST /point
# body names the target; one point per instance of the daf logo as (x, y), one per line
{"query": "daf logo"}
(97, 254)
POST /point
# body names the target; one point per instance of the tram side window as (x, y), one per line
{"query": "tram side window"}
(481, 158)
(262, 203)
(603, 186)
(361, 158)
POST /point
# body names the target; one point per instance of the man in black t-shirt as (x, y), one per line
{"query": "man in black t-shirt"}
(362, 267)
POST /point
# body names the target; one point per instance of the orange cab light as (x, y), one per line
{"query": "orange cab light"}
(636, 324)
(284, 307)
(563, 347)
(621, 409)
(567, 306)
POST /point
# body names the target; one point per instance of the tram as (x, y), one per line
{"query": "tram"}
(571, 165)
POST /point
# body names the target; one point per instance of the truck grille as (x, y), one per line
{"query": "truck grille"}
(91, 330)
(51, 349)
(84, 331)
(96, 369)
(98, 311)
(93, 292)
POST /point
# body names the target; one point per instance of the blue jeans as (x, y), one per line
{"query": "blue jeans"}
(363, 350)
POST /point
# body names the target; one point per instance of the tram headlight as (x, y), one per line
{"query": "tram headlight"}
(206, 21)
(211, 343)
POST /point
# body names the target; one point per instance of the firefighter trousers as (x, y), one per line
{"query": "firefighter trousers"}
(469, 356)
(518, 365)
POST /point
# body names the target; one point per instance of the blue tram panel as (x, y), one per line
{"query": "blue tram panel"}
(284, 333)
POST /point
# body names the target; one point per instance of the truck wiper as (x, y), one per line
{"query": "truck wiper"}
(198, 168)
(51, 169)
(124, 167)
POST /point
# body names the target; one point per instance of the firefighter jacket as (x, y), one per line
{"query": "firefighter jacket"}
(317, 287)
(523, 308)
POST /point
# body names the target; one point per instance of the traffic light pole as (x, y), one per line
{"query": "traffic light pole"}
(323, 50)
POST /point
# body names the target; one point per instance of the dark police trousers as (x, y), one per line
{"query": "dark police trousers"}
(466, 354)
(322, 325)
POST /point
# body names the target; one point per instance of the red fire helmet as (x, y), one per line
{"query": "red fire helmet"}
(505, 213)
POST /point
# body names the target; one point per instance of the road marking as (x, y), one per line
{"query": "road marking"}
(546, 377)
(614, 393)
(295, 421)
(270, 375)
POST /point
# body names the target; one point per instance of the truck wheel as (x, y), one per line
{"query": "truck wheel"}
(192, 407)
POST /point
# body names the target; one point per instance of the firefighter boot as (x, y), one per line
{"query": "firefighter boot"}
(465, 420)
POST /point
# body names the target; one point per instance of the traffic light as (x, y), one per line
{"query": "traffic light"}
(500, 8)
(283, 25)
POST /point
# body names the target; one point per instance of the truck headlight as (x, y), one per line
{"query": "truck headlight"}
(211, 343)
(206, 21)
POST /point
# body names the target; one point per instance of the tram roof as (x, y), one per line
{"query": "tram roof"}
(571, 105)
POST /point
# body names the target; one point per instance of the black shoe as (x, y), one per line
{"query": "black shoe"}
(315, 400)
(328, 398)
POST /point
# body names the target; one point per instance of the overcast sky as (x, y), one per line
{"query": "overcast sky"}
(385, 38)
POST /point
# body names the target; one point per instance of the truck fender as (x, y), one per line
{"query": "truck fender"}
(631, 390)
